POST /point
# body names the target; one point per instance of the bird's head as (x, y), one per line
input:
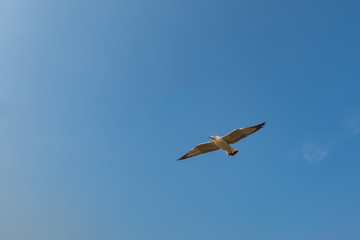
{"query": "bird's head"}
(212, 137)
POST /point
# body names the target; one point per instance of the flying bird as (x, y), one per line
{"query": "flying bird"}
(223, 142)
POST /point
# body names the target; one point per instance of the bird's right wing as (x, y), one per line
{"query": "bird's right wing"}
(241, 133)
(200, 149)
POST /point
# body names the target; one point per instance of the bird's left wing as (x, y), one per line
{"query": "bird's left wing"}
(200, 149)
(241, 133)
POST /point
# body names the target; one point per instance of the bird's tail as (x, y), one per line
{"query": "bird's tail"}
(232, 152)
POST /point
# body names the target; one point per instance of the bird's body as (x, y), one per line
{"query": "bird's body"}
(223, 142)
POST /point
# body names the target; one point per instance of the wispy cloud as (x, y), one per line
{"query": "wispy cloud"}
(313, 154)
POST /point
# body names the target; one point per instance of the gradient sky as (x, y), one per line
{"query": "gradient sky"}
(99, 98)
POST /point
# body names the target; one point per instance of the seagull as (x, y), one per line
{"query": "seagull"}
(223, 142)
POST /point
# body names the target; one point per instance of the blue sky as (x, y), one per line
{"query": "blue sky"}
(99, 98)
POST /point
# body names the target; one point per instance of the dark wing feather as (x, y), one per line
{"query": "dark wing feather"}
(200, 149)
(241, 133)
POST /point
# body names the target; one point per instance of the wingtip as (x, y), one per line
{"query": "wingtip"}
(261, 124)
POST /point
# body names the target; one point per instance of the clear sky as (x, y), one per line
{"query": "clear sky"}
(99, 98)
